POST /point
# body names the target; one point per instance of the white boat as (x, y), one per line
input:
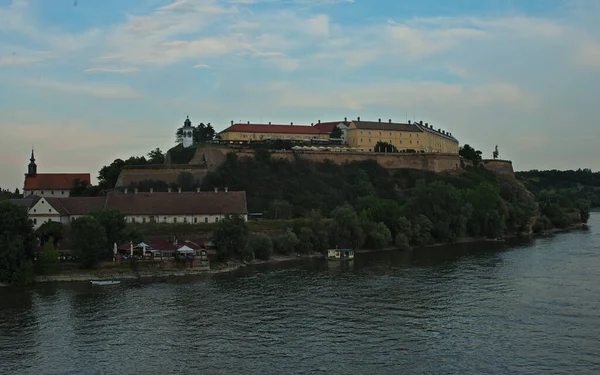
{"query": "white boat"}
(340, 254)
(105, 282)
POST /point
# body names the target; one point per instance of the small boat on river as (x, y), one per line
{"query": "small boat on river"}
(105, 282)
(340, 254)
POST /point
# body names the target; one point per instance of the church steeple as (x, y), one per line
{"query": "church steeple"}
(187, 133)
(32, 167)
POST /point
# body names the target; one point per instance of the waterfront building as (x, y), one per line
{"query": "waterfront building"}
(416, 137)
(149, 207)
(50, 184)
(247, 133)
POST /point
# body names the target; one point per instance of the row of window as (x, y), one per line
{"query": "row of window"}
(51, 192)
(390, 141)
(391, 134)
(185, 220)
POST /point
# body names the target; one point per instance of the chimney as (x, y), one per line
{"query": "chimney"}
(232, 122)
(216, 189)
(179, 190)
(151, 190)
(319, 121)
(358, 118)
(421, 123)
(125, 191)
(312, 124)
(169, 190)
(197, 190)
(439, 130)
(345, 119)
(379, 120)
(226, 189)
(248, 122)
(408, 122)
(135, 191)
(390, 120)
(426, 124)
(269, 122)
(291, 123)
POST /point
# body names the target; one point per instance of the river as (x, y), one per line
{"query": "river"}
(528, 308)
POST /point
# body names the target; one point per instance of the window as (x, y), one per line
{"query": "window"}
(185, 219)
(411, 142)
(62, 192)
(165, 219)
(400, 134)
(195, 220)
(410, 134)
(49, 210)
(369, 133)
(417, 142)
(35, 221)
(143, 220)
(417, 136)
(369, 140)
(174, 220)
(216, 219)
(133, 219)
(361, 140)
(52, 192)
(34, 210)
(391, 142)
(379, 133)
(390, 134)
(206, 220)
(42, 192)
(400, 141)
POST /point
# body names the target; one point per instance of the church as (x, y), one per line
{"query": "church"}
(49, 184)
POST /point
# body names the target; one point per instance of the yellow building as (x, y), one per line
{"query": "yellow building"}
(410, 136)
(245, 133)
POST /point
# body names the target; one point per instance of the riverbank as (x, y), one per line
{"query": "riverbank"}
(119, 272)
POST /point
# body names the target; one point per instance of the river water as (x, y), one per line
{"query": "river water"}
(529, 308)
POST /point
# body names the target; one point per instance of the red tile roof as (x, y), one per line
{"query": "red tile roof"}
(278, 129)
(327, 127)
(54, 181)
(159, 203)
(77, 205)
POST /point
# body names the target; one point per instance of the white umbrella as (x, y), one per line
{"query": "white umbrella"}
(131, 250)
(114, 251)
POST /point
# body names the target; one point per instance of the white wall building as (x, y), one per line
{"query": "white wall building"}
(50, 184)
(188, 133)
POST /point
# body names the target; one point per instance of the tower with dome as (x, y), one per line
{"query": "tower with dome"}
(188, 133)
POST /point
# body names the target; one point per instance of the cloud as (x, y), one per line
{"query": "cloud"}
(112, 70)
(103, 91)
(588, 55)
(201, 66)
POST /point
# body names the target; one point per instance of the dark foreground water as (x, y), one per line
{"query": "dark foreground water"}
(482, 309)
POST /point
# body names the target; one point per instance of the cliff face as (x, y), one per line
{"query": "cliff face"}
(502, 167)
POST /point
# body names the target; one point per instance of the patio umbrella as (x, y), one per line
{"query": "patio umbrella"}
(114, 251)
(131, 249)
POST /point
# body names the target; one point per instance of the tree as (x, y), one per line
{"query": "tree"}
(345, 229)
(286, 243)
(230, 236)
(187, 182)
(496, 153)
(156, 156)
(401, 242)
(421, 230)
(469, 153)
(261, 246)
(384, 147)
(377, 236)
(336, 133)
(16, 241)
(280, 209)
(305, 241)
(109, 174)
(50, 230)
(113, 222)
(47, 260)
(88, 241)
(489, 211)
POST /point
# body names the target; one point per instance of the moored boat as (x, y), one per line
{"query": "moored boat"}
(340, 254)
(105, 282)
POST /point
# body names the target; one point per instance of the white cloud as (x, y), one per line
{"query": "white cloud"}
(318, 26)
(104, 91)
(112, 70)
(201, 66)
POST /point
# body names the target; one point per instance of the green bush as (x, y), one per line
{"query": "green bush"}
(286, 243)
(260, 245)
(181, 155)
(401, 242)
(47, 261)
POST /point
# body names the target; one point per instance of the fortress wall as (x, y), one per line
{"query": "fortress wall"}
(503, 167)
(129, 175)
(429, 162)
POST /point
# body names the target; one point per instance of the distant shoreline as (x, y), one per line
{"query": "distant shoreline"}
(109, 273)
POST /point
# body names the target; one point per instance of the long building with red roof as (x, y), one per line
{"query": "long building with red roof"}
(246, 133)
(50, 184)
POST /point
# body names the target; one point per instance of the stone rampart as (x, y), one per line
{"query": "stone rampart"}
(434, 162)
(503, 167)
(168, 175)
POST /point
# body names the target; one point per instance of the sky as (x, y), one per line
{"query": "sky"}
(85, 82)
